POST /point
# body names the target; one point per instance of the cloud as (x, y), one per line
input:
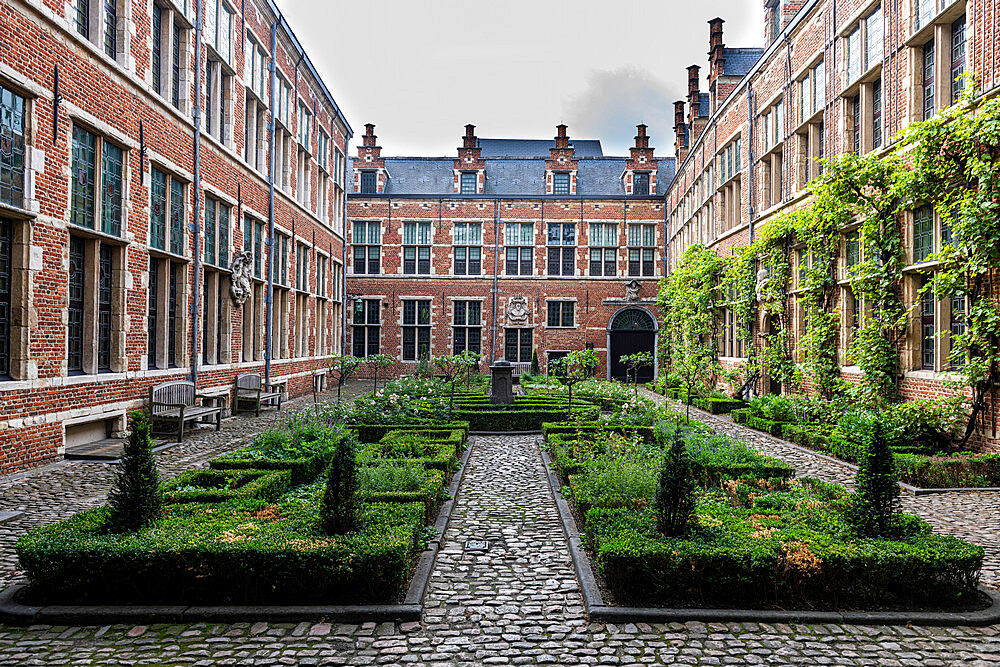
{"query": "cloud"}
(615, 101)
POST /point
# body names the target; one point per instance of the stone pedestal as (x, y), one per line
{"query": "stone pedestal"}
(502, 383)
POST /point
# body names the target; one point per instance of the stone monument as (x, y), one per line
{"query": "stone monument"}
(502, 383)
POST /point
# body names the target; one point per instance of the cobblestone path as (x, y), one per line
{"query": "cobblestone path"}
(973, 516)
(517, 604)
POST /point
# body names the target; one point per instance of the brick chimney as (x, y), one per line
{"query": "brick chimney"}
(680, 132)
(470, 159)
(640, 161)
(561, 160)
(716, 60)
(369, 159)
(697, 115)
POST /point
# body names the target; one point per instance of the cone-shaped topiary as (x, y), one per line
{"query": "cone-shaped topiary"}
(675, 494)
(535, 369)
(339, 509)
(134, 499)
(875, 501)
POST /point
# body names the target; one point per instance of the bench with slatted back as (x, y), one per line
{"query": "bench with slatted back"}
(251, 390)
(176, 402)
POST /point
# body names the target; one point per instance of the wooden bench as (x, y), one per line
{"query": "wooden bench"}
(251, 388)
(176, 402)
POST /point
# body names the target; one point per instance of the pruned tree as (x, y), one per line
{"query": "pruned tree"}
(633, 363)
(574, 368)
(343, 366)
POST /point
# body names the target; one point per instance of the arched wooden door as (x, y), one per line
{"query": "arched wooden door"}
(632, 330)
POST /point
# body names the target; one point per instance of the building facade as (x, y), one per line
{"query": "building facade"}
(136, 204)
(835, 77)
(507, 248)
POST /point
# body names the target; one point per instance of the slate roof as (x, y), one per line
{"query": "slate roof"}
(739, 61)
(537, 147)
(703, 104)
(596, 176)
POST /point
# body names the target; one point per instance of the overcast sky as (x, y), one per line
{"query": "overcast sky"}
(421, 69)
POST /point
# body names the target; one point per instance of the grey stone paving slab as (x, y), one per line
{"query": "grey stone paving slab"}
(517, 604)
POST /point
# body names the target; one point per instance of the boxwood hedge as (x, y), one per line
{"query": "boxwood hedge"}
(213, 486)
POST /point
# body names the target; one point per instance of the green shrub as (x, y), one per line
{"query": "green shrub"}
(458, 431)
(875, 502)
(674, 500)
(401, 482)
(534, 369)
(213, 486)
(134, 499)
(339, 507)
(959, 470)
(238, 552)
(403, 447)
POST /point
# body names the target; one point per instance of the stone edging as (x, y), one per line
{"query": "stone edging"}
(912, 490)
(599, 611)
(411, 609)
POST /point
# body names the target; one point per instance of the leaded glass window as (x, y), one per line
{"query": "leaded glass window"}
(12, 113)
(923, 233)
(74, 328)
(104, 289)
(416, 330)
(6, 290)
(112, 167)
(467, 332)
(84, 166)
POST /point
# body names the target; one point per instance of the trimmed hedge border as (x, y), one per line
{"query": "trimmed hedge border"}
(264, 484)
(369, 433)
(13, 612)
(598, 610)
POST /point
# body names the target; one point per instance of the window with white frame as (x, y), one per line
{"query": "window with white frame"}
(103, 23)
(218, 101)
(367, 243)
(366, 321)
(467, 248)
(641, 250)
(416, 248)
(519, 248)
(561, 241)
(603, 239)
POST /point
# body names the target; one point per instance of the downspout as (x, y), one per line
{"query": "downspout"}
(496, 278)
(343, 254)
(270, 216)
(196, 302)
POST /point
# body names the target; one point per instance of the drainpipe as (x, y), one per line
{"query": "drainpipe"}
(496, 279)
(343, 255)
(196, 303)
(270, 217)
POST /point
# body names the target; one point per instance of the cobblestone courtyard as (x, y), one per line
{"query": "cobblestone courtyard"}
(517, 604)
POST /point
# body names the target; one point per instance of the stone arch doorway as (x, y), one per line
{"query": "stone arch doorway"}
(631, 330)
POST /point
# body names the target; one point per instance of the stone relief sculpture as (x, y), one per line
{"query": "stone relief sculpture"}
(632, 290)
(242, 266)
(762, 280)
(518, 310)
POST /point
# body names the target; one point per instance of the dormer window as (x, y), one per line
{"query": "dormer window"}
(469, 183)
(640, 183)
(368, 183)
(560, 183)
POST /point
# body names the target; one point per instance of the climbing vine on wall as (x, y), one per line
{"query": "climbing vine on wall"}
(951, 163)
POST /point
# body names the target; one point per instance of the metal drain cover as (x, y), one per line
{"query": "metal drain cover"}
(477, 545)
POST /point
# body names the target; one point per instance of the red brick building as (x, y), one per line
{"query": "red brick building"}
(833, 78)
(120, 231)
(507, 247)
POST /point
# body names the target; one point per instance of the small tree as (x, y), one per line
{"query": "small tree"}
(534, 369)
(469, 361)
(134, 499)
(633, 362)
(674, 501)
(574, 368)
(339, 507)
(875, 501)
(375, 362)
(344, 366)
(450, 368)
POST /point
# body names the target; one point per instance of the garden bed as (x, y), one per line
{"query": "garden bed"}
(235, 554)
(601, 606)
(759, 539)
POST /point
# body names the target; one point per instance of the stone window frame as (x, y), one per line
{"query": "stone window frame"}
(519, 344)
(558, 246)
(558, 185)
(416, 244)
(366, 319)
(98, 199)
(416, 327)
(255, 139)
(469, 183)
(598, 245)
(175, 193)
(303, 178)
(463, 245)
(932, 40)
(216, 306)
(464, 326)
(172, 82)
(219, 100)
(643, 251)
(729, 190)
(524, 252)
(22, 258)
(105, 25)
(99, 251)
(253, 308)
(171, 320)
(560, 311)
(369, 247)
